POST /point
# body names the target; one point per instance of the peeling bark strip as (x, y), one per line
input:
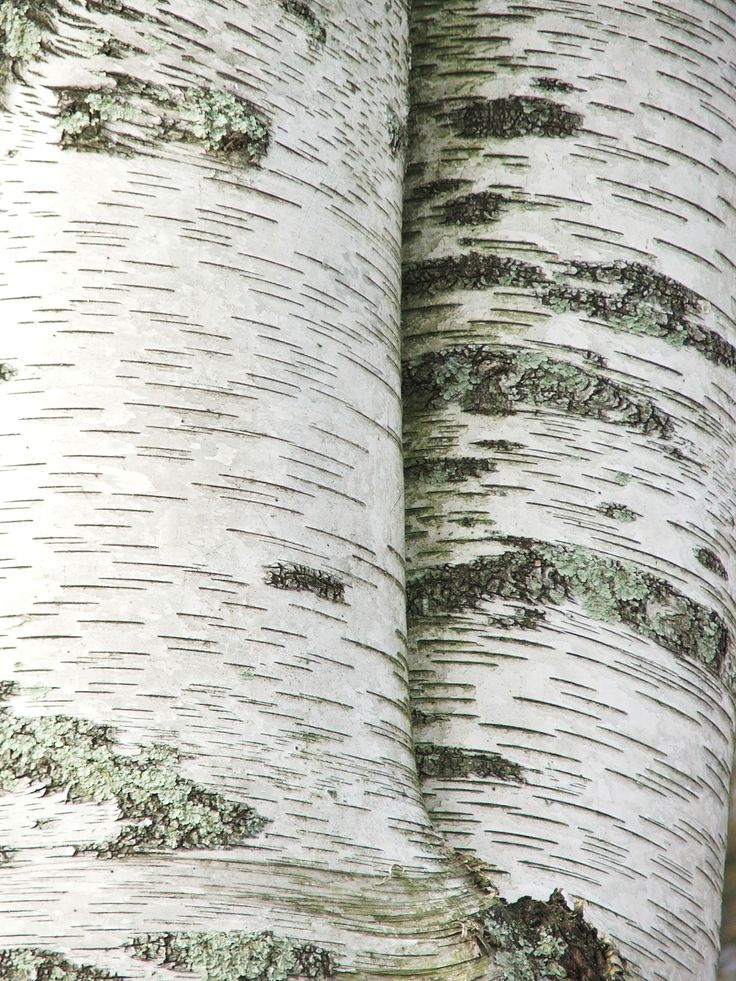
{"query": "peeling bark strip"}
(450, 470)
(639, 300)
(608, 589)
(304, 578)
(453, 762)
(35, 964)
(491, 381)
(304, 12)
(90, 119)
(517, 115)
(546, 939)
(162, 809)
(235, 955)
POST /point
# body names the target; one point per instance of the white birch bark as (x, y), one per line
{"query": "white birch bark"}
(569, 407)
(205, 732)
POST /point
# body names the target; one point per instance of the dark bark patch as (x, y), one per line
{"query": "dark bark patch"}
(397, 134)
(634, 297)
(36, 964)
(315, 29)
(452, 762)
(160, 809)
(517, 115)
(535, 938)
(708, 558)
(468, 271)
(234, 955)
(536, 572)
(433, 189)
(551, 84)
(499, 445)
(446, 470)
(478, 208)
(493, 381)
(302, 578)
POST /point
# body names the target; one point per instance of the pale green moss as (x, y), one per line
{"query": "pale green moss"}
(235, 955)
(20, 33)
(220, 122)
(36, 964)
(160, 809)
(618, 512)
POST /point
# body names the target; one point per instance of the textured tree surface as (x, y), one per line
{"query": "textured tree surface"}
(205, 748)
(569, 424)
(214, 761)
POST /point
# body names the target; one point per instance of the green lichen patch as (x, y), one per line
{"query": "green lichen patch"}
(473, 209)
(446, 470)
(433, 189)
(708, 558)
(551, 84)
(290, 575)
(634, 297)
(36, 964)
(618, 512)
(315, 29)
(615, 591)
(627, 296)
(235, 955)
(160, 809)
(468, 271)
(23, 24)
(517, 115)
(492, 381)
(452, 762)
(7, 372)
(537, 940)
(220, 122)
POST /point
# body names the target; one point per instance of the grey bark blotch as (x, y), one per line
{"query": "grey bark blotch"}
(453, 762)
(303, 578)
(493, 381)
(517, 116)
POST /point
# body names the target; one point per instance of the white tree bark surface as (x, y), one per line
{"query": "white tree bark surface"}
(205, 718)
(569, 417)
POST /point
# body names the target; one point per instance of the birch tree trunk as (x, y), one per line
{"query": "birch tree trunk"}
(205, 748)
(569, 412)
(206, 760)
